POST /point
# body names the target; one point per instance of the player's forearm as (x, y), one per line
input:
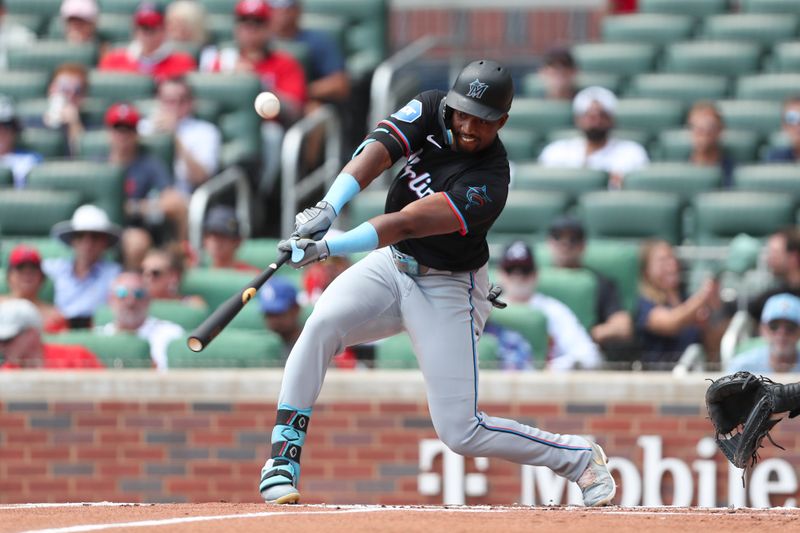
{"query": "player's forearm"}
(368, 164)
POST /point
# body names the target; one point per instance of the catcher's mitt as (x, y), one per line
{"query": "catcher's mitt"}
(742, 407)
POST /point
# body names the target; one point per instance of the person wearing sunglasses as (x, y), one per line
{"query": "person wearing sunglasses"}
(790, 120)
(162, 271)
(780, 328)
(613, 328)
(130, 305)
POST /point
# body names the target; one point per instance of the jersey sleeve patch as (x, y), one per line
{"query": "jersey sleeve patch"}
(409, 112)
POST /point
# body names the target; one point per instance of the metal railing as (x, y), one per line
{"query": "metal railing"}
(231, 178)
(294, 187)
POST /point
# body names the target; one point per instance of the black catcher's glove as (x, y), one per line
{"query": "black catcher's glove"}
(743, 409)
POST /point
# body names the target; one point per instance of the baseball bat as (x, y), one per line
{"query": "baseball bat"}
(221, 317)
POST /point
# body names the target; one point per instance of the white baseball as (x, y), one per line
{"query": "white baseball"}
(267, 105)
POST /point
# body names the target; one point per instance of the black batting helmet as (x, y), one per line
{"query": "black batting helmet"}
(484, 89)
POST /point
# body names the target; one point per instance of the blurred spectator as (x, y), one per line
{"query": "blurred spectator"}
(328, 79)
(278, 301)
(82, 282)
(149, 52)
(185, 22)
(783, 260)
(570, 344)
(11, 35)
(21, 344)
(162, 272)
(279, 72)
(567, 242)
(791, 129)
(222, 238)
(706, 126)
(558, 73)
(150, 198)
(593, 109)
(11, 156)
(25, 279)
(130, 305)
(197, 142)
(780, 327)
(80, 21)
(65, 94)
(666, 321)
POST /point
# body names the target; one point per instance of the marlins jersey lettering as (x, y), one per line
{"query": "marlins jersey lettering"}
(475, 185)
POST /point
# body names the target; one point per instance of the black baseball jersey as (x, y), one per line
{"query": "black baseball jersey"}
(475, 185)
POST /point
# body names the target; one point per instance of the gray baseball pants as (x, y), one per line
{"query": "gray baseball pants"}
(444, 314)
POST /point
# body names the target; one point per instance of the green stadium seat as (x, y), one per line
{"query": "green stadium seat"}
(686, 88)
(32, 7)
(214, 285)
(95, 144)
(218, 6)
(239, 152)
(528, 322)
(615, 58)
(768, 86)
(781, 178)
(185, 315)
(759, 116)
(539, 114)
(533, 86)
(115, 351)
(632, 215)
(575, 287)
(649, 114)
(336, 26)
(528, 214)
(47, 246)
(49, 143)
(520, 143)
(98, 183)
(397, 352)
(368, 23)
(240, 124)
(220, 27)
(573, 181)
(120, 86)
(764, 29)
(34, 212)
(250, 319)
(652, 28)
(684, 179)
(231, 349)
(719, 216)
(770, 6)
(727, 58)
(6, 180)
(232, 91)
(785, 57)
(35, 23)
(258, 251)
(366, 205)
(676, 145)
(618, 261)
(24, 84)
(695, 8)
(47, 55)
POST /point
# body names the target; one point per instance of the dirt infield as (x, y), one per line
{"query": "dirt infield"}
(67, 518)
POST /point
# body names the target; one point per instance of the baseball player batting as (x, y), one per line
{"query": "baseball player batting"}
(426, 275)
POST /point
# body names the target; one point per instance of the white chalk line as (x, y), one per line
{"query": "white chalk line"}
(347, 509)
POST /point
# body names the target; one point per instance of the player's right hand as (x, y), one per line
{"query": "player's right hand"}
(313, 223)
(304, 251)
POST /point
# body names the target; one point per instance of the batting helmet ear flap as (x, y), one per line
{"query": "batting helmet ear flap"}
(444, 122)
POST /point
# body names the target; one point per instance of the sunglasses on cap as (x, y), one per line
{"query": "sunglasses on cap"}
(792, 118)
(122, 292)
(788, 326)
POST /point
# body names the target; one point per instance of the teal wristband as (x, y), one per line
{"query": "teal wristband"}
(344, 187)
(359, 239)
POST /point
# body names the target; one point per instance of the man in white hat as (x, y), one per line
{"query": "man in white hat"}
(21, 343)
(82, 283)
(593, 110)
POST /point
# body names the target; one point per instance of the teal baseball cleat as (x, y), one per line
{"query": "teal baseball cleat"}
(596, 481)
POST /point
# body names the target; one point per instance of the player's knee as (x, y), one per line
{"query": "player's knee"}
(461, 439)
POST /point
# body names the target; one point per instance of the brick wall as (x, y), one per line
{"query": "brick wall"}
(146, 449)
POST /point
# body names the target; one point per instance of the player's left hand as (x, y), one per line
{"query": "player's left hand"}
(304, 251)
